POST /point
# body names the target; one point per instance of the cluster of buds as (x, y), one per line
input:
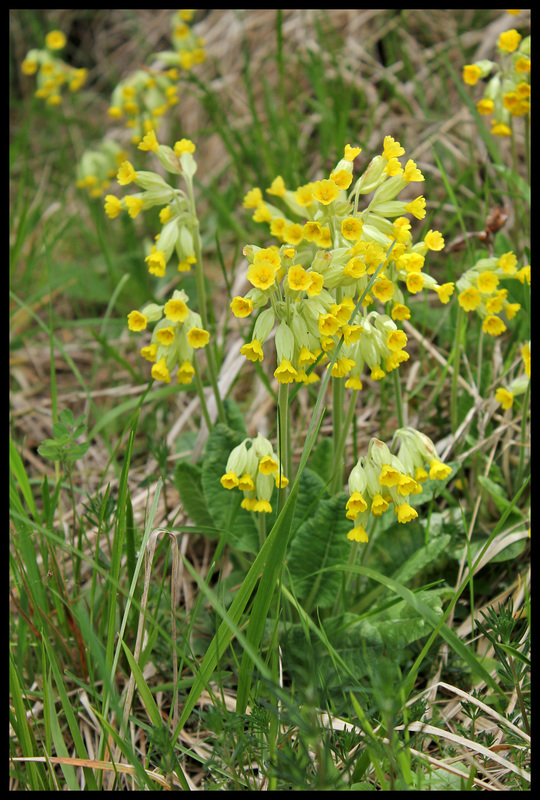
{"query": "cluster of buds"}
(317, 275)
(177, 334)
(507, 92)
(254, 468)
(52, 73)
(478, 290)
(505, 394)
(98, 168)
(176, 215)
(188, 48)
(381, 479)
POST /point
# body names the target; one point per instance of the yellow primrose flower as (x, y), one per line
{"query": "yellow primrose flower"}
(137, 321)
(55, 40)
(504, 397)
(149, 142)
(185, 146)
(241, 307)
(509, 41)
(252, 351)
(198, 337)
(392, 149)
(471, 74)
(160, 371)
(126, 174)
(261, 274)
(185, 373)
(325, 191)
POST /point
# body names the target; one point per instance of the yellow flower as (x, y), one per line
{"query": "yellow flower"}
(299, 280)
(412, 173)
(241, 307)
(342, 178)
(378, 505)
(150, 352)
(351, 228)
(383, 290)
(469, 299)
(156, 263)
(55, 40)
(405, 513)
(185, 374)
(507, 263)
(229, 480)
(328, 324)
(137, 321)
(185, 146)
(358, 534)
(438, 471)
(113, 206)
(396, 340)
(261, 274)
(198, 337)
(149, 142)
(285, 373)
(417, 207)
(160, 371)
(165, 336)
(252, 198)
(434, 240)
(487, 282)
(325, 191)
(485, 106)
(471, 74)
(509, 41)
(277, 187)
(445, 292)
(176, 310)
(351, 152)
(400, 312)
(126, 174)
(494, 326)
(504, 397)
(252, 351)
(268, 465)
(134, 205)
(392, 149)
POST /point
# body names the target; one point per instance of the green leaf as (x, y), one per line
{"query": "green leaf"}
(321, 541)
(187, 479)
(66, 416)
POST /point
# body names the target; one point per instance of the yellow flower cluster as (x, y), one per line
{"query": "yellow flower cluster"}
(381, 479)
(98, 168)
(508, 90)
(188, 48)
(254, 468)
(479, 290)
(177, 334)
(142, 99)
(52, 73)
(315, 278)
(178, 225)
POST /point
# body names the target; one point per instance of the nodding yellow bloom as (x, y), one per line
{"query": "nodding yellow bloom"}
(261, 274)
(268, 465)
(358, 534)
(471, 74)
(253, 198)
(176, 310)
(113, 206)
(400, 312)
(493, 326)
(485, 106)
(55, 40)
(500, 129)
(285, 373)
(126, 174)
(134, 205)
(434, 240)
(298, 278)
(504, 397)
(469, 299)
(198, 337)
(351, 228)
(150, 352)
(417, 207)
(392, 149)
(185, 146)
(355, 505)
(378, 505)
(412, 173)
(507, 263)
(383, 290)
(241, 307)
(277, 187)
(342, 178)
(165, 336)
(137, 321)
(328, 325)
(185, 373)
(438, 471)
(252, 351)
(229, 480)
(350, 152)
(160, 371)
(156, 263)
(149, 142)
(487, 282)
(444, 292)
(405, 513)
(396, 340)
(325, 191)
(509, 41)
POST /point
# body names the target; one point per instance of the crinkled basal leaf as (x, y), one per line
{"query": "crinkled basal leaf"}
(320, 542)
(187, 479)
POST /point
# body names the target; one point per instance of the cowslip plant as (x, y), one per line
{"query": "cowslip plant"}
(179, 330)
(53, 74)
(507, 87)
(336, 284)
